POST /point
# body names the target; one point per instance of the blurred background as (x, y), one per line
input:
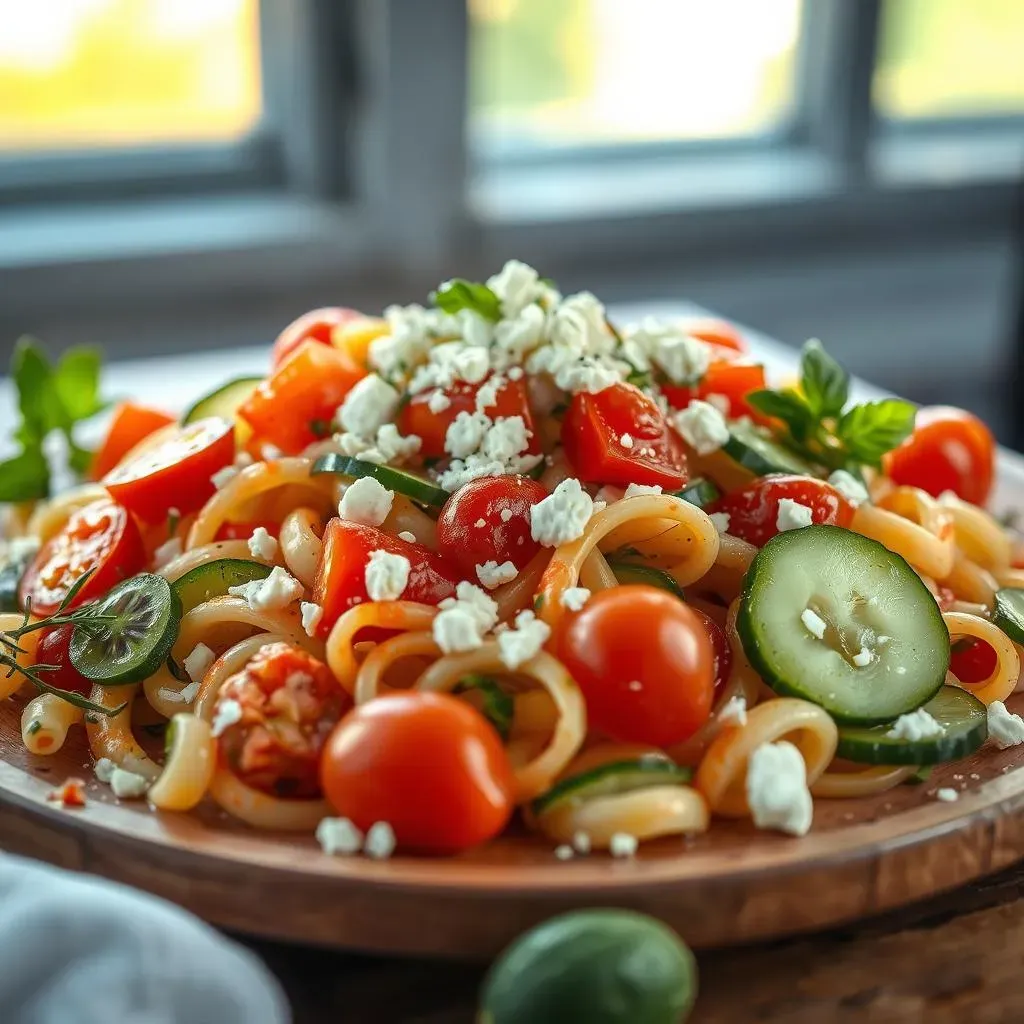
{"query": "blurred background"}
(185, 174)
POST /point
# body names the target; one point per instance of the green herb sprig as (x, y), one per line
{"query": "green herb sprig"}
(458, 294)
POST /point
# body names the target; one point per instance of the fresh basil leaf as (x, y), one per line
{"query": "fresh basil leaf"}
(40, 408)
(788, 406)
(458, 294)
(824, 382)
(25, 477)
(870, 430)
(76, 381)
(495, 704)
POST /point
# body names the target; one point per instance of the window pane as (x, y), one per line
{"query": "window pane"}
(564, 72)
(948, 57)
(85, 73)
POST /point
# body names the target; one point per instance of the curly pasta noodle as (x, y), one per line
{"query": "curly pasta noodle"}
(972, 583)
(189, 768)
(233, 660)
(978, 536)
(1004, 676)
(914, 526)
(847, 785)
(722, 775)
(300, 543)
(384, 656)
(11, 683)
(263, 811)
(111, 736)
(45, 722)
(517, 594)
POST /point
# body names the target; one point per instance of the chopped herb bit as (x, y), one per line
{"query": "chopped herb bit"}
(459, 294)
(34, 726)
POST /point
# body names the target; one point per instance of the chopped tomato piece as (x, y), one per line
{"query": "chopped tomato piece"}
(754, 511)
(341, 578)
(176, 473)
(619, 436)
(972, 661)
(131, 424)
(244, 530)
(317, 325)
(417, 417)
(720, 646)
(54, 649)
(101, 537)
(716, 332)
(732, 380)
(296, 404)
(71, 793)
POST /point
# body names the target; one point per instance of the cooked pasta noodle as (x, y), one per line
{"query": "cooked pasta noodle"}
(45, 723)
(111, 736)
(263, 811)
(860, 782)
(1000, 684)
(190, 766)
(301, 545)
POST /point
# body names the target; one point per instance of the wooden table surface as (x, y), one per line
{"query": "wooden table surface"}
(956, 958)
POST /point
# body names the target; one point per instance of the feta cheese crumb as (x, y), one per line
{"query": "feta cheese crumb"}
(702, 426)
(386, 575)
(223, 477)
(792, 515)
(815, 624)
(104, 769)
(634, 490)
(518, 645)
(262, 545)
(581, 842)
(198, 662)
(863, 657)
(622, 844)
(409, 538)
(128, 785)
(734, 712)
(167, 552)
(1006, 729)
(574, 598)
(311, 616)
(278, 590)
(849, 487)
(380, 841)
(720, 521)
(915, 725)
(366, 501)
(564, 852)
(492, 575)
(562, 516)
(438, 402)
(228, 713)
(185, 695)
(338, 836)
(462, 620)
(370, 404)
(947, 795)
(626, 441)
(506, 515)
(777, 789)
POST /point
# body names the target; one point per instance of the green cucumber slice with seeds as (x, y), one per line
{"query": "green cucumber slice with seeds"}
(1009, 613)
(10, 577)
(612, 779)
(631, 572)
(965, 727)
(490, 700)
(136, 640)
(699, 492)
(415, 488)
(212, 579)
(223, 401)
(863, 592)
(755, 449)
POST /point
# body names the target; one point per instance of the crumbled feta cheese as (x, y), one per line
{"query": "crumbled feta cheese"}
(223, 477)
(198, 662)
(849, 487)
(311, 616)
(720, 402)
(185, 695)
(734, 712)
(622, 844)
(590, 376)
(564, 852)
(1005, 729)
(702, 427)
(128, 785)
(492, 575)
(863, 657)
(815, 624)
(104, 769)
(438, 402)
(338, 836)
(915, 725)
(278, 590)
(386, 575)
(475, 466)
(227, 713)
(505, 439)
(947, 795)
(581, 842)
(466, 433)
(792, 515)
(626, 440)
(578, 323)
(456, 630)
(636, 489)
(777, 789)
(166, 553)
(388, 448)
(366, 501)
(518, 645)
(518, 286)
(487, 395)
(720, 521)
(574, 598)
(506, 515)
(562, 516)
(380, 841)
(370, 404)
(262, 545)
(683, 358)
(470, 597)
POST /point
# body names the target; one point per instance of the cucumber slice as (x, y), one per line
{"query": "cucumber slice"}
(615, 777)
(415, 488)
(223, 401)
(862, 591)
(962, 715)
(10, 577)
(699, 492)
(136, 640)
(213, 579)
(755, 449)
(631, 572)
(1009, 613)
(490, 700)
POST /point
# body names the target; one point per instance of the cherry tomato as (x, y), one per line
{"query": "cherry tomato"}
(487, 520)
(732, 380)
(131, 424)
(296, 404)
(244, 529)
(53, 649)
(720, 646)
(290, 702)
(101, 537)
(428, 764)
(341, 576)
(972, 661)
(949, 450)
(595, 427)
(754, 511)
(175, 473)
(317, 325)
(644, 662)
(716, 332)
(417, 417)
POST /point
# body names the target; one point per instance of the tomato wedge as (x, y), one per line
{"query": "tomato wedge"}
(417, 417)
(101, 537)
(317, 325)
(732, 380)
(619, 436)
(296, 404)
(131, 423)
(176, 472)
(716, 332)
(341, 577)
